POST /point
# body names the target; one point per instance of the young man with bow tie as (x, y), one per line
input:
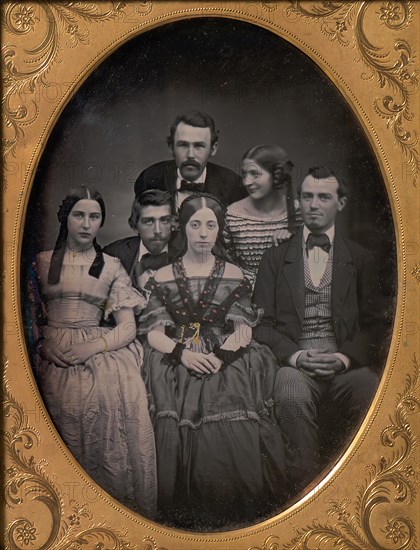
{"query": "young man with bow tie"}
(152, 216)
(193, 140)
(318, 294)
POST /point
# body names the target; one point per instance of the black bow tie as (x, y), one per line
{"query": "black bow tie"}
(191, 186)
(151, 261)
(322, 241)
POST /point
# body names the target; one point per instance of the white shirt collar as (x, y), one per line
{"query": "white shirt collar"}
(201, 179)
(143, 250)
(330, 232)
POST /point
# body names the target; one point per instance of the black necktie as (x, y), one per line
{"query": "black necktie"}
(318, 240)
(194, 187)
(150, 261)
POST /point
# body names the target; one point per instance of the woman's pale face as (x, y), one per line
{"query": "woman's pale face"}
(83, 223)
(256, 180)
(201, 231)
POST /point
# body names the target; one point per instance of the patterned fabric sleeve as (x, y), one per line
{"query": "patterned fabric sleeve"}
(123, 295)
(242, 310)
(156, 313)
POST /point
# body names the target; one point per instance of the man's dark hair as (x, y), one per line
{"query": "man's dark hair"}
(197, 119)
(323, 172)
(152, 197)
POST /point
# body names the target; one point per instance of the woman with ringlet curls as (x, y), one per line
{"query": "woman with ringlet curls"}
(89, 375)
(269, 214)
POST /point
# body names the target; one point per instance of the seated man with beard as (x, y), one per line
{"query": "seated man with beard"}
(142, 255)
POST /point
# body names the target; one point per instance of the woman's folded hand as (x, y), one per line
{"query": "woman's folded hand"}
(216, 362)
(54, 354)
(200, 362)
(80, 353)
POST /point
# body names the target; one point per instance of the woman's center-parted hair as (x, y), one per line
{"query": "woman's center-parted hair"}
(189, 206)
(70, 200)
(74, 196)
(196, 202)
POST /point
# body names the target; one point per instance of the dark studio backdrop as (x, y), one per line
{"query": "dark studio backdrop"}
(258, 88)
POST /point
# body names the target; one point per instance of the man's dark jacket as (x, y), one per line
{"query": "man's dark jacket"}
(220, 181)
(357, 309)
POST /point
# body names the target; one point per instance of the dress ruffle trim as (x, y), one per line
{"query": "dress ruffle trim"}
(153, 313)
(124, 297)
(152, 320)
(233, 416)
(251, 315)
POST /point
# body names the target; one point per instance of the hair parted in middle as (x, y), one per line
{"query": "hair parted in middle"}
(70, 200)
(189, 206)
(275, 161)
(151, 197)
(197, 119)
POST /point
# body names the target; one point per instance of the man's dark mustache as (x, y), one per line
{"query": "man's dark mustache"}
(190, 163)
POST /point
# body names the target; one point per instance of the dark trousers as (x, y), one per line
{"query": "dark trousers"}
(298, 401)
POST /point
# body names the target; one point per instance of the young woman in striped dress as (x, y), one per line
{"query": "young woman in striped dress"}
(269, 215)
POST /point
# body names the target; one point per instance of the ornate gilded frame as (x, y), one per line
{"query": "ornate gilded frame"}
(369, 50)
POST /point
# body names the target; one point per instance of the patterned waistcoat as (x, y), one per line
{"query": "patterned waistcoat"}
(317, 321)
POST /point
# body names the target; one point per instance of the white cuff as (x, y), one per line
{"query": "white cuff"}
(344, 359)
(292, 360)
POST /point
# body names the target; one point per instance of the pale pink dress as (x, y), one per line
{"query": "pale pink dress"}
(100, 408)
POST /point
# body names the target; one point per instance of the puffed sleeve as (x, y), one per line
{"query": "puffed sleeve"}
(123, 295)
(156, 314)
(241, 309)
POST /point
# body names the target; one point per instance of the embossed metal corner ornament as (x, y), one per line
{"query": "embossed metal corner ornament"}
(26, 481)
(56, 26)
(394, 71)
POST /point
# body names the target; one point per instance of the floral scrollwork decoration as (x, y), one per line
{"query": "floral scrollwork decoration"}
(49, 28)
(391, 483)
(270, 5)
(27, 481)
(351, 23)
(151, 544)
(415, 272)
(272, 542)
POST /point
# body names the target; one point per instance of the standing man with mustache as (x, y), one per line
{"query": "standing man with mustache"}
(193, 139)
